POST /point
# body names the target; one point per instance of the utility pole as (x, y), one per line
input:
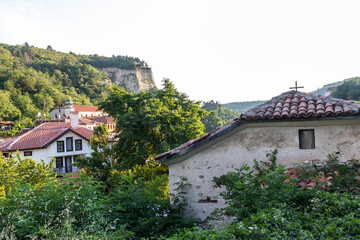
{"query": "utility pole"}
(44, 107)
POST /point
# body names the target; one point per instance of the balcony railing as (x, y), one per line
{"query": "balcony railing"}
(65, 170)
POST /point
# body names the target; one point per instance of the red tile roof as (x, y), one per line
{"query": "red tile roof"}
(85, 108)
(99, 119)
(43, 135)
(288, 105)
(82, 108)
(298, 104)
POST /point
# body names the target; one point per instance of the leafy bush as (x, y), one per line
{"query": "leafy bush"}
(80, 208)
(15, 169)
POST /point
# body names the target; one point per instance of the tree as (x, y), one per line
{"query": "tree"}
(217, 116)
(149, 123)
(350, 89)
(26, 170)
(101, 164)
(211, 121)
(7, 110)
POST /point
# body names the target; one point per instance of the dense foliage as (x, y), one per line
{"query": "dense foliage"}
(217, 115)
(262, 203)
(26, 170)
(151, 123)
(350, 89)
(122, 62)
(79, 208)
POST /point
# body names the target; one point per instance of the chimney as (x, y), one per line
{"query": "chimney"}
(74, 119)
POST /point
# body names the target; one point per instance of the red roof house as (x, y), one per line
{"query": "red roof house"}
(64, 141)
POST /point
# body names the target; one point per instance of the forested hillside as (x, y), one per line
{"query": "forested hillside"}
(217, 115)
(30, 77)
(242, 107)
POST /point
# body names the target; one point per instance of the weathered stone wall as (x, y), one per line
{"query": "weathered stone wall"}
(252, 141)
(138, 80)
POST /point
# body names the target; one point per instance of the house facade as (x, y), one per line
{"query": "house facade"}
(62, 141)
(303, 127)
(84, 110)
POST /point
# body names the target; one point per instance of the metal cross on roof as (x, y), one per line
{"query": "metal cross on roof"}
(296, 86)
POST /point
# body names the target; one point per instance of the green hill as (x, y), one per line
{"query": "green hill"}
(32, 79)
(242, 107)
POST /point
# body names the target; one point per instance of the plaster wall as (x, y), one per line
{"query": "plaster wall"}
(249, 142)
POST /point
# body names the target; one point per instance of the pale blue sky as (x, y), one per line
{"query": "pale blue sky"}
(221, 50)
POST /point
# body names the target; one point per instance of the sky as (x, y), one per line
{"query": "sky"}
(224, 50)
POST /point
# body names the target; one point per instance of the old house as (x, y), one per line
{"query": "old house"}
(62, 140)
(303, 127)
(91, 122)
(84, 110)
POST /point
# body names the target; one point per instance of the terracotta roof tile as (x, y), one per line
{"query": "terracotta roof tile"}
(86, 108)
(42, 135)
(302, 105)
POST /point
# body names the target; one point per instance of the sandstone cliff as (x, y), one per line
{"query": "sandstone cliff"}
(138, 80)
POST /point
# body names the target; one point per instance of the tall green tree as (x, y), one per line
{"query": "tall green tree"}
(150, 123)
(217, 115)
(101, 164)
(8, 110)
(212, 121)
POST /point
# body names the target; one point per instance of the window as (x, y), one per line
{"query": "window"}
(307, 139)
(69, 144)
(7, 155)
(29, 153)
(68, 166)
(60, 146)
(59, 162)
(78, 144)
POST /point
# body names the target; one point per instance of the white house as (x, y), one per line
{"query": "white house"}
(303, 127)
(64, 141)
(84, 110)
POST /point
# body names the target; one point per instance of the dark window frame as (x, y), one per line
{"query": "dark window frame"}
(78, 144)
(306, 139)
(69, 147)
(60, 146)
(27, 153)
(59, 162)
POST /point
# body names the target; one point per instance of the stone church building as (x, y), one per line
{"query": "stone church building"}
(303, 127)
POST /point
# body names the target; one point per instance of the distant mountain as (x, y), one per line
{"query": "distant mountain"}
(242, 107)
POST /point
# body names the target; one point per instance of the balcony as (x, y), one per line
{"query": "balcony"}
(65, 170)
